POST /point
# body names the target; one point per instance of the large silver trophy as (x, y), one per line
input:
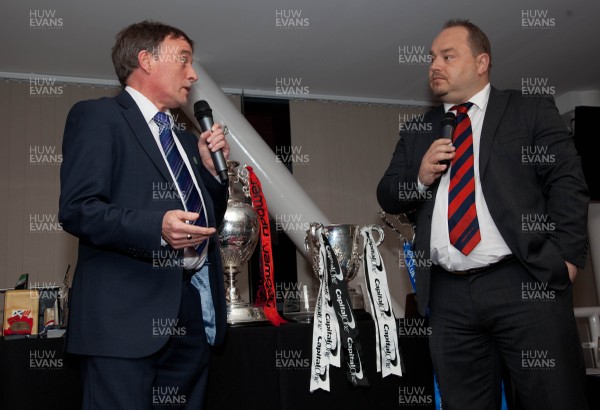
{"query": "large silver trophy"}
(344, 240)
(238, 235)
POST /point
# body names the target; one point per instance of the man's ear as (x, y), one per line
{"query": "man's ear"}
(145, 61)
(483, 63)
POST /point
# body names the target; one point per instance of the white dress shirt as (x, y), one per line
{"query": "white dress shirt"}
(191, 259)
(492, 246)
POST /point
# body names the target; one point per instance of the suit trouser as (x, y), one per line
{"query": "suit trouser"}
(503, 316)
(174, 377)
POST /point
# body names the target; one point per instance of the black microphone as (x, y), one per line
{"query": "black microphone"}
(203, 114)
(448, 126)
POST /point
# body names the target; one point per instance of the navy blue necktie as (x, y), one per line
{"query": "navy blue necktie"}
(193, 203)
(190, 196)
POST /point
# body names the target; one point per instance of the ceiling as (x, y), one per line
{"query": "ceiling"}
(362, 50)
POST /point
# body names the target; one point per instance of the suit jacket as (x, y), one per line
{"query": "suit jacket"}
(115, 190)
(517, 180)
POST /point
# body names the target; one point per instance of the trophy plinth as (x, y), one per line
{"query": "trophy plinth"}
(239, 311)
(238, 235)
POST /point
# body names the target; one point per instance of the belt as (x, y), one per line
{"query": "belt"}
(502, 262)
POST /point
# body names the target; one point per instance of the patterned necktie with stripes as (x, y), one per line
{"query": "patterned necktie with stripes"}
(192, 203)
(463, 225)
(190, 195)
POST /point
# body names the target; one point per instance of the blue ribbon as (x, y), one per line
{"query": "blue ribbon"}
(410, 264)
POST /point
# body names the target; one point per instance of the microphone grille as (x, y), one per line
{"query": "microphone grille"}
(449, 118)
(201, 107)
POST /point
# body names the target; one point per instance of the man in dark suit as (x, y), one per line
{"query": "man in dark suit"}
(137, 319)
(498, 238)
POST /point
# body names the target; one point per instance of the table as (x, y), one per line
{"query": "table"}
(269, 368)
(262, 367)
(37, 374)
(258, 368)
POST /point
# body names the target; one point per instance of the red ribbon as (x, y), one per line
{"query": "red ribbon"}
(260, 206)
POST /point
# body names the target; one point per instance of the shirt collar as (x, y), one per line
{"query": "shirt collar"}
(146, 106)
(480, 99)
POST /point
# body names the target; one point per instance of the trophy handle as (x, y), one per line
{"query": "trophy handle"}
(312, 230)
(380, 234)
(311, 244)
(311, 236)
(243, 176)
(405, 229)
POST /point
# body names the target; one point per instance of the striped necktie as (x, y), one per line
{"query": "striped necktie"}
(189, 194)
(192, 203)
(463, 226)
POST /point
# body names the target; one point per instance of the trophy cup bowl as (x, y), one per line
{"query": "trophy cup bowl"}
(344, 240)
(238, 236)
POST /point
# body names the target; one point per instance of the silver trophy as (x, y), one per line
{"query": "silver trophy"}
(344, 240)
(238, 235)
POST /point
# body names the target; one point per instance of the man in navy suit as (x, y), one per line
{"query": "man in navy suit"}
(136, 315)
(503, 295)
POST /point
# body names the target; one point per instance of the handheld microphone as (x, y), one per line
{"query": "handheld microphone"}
(448, 126)
(203, 114)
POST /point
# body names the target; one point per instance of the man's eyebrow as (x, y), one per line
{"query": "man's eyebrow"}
(442, 51)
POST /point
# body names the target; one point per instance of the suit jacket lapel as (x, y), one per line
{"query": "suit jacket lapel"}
(493, 113)
(424, 221)
(141, 130)
(436, 133)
